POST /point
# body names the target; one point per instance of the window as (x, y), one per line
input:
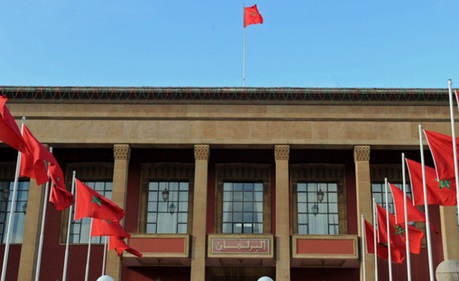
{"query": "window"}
(379, 194)
(79, 230)
(97, 175)
(243, 199)
(166, 198)
(317, 205)
(6, 189)
(242, 207)
(167, 207)
(318, 199)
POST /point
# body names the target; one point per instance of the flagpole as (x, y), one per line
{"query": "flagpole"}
(407, 235)
(364, 243)
(388, 230)
(243, 49)
(42, 231)
(12, 208)
(426, 206)
(89, 253)
(453, 132)
(105, 255)
(69, 224)
(375, 242)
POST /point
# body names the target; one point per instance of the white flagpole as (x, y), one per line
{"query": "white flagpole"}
(407, 235)
(89, 253)
(105, 255)
(12, 208)
(375, 210)
(364, 244)
(389, 250)
(243, 49)
(426, 206)
(69, 224)
(453, 133)
(42, 231)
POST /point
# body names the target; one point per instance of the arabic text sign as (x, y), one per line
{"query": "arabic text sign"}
(236, 245)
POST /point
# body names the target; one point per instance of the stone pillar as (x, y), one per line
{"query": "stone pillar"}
(449, 233)
(282, 153)
(364, 201)
(198, 235)
(121, 155)
(32, 228)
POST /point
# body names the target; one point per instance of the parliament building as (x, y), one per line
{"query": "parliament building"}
(222, 184)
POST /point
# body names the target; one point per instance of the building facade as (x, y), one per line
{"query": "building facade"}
(223, 184)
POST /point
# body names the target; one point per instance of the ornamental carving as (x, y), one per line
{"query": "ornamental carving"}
(361, 153)
(121, 152)
(201, 152)
(281, 152)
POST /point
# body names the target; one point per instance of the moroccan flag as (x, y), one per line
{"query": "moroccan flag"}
(33, 160)
(108, 228)
(120, 246)
(437, 193)
(60, 196)
(397, 233)
(441, 147)
(252, 16)
(414, 214)
(383, 252)
(9, 130)
(91, 204)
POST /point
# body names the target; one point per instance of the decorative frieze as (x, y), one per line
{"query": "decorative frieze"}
(281, 152)
(361, 153)
(121, 151)
(201, 152)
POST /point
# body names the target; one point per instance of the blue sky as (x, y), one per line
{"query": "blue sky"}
(302, 43)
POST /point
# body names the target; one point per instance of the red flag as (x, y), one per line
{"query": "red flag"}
(33, 160)
(252, 16)
(414, 214)
(91, 204)
(441, 147)
(60, 196)
(383, 252)
(438, 192)
(120, 246)
(9, 130)
(397, 233)
(108, 228)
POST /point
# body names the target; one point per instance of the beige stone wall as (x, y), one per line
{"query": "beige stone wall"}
(232, 124)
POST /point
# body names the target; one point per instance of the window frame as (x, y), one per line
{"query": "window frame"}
(165, 172)
(85, 172)
(240, 173)
(319, 173)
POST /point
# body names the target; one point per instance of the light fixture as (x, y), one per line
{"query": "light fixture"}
(165, 194)
(315, 209)
(172, 208)
(320, 195)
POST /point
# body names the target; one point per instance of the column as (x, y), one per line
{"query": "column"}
(364, 201)
(449, 233)
(282, 153)
(198, 235)
(121, 155)
(32, 227)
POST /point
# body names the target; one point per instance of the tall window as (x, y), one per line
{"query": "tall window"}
(167, 207)
(6, 189)
(379, 194)
(317, 205)
(79, 230)
(242, 207)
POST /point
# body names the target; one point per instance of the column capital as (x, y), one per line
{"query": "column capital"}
(361, 153)
(201, 152)
(281, 152)
(121, 152)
